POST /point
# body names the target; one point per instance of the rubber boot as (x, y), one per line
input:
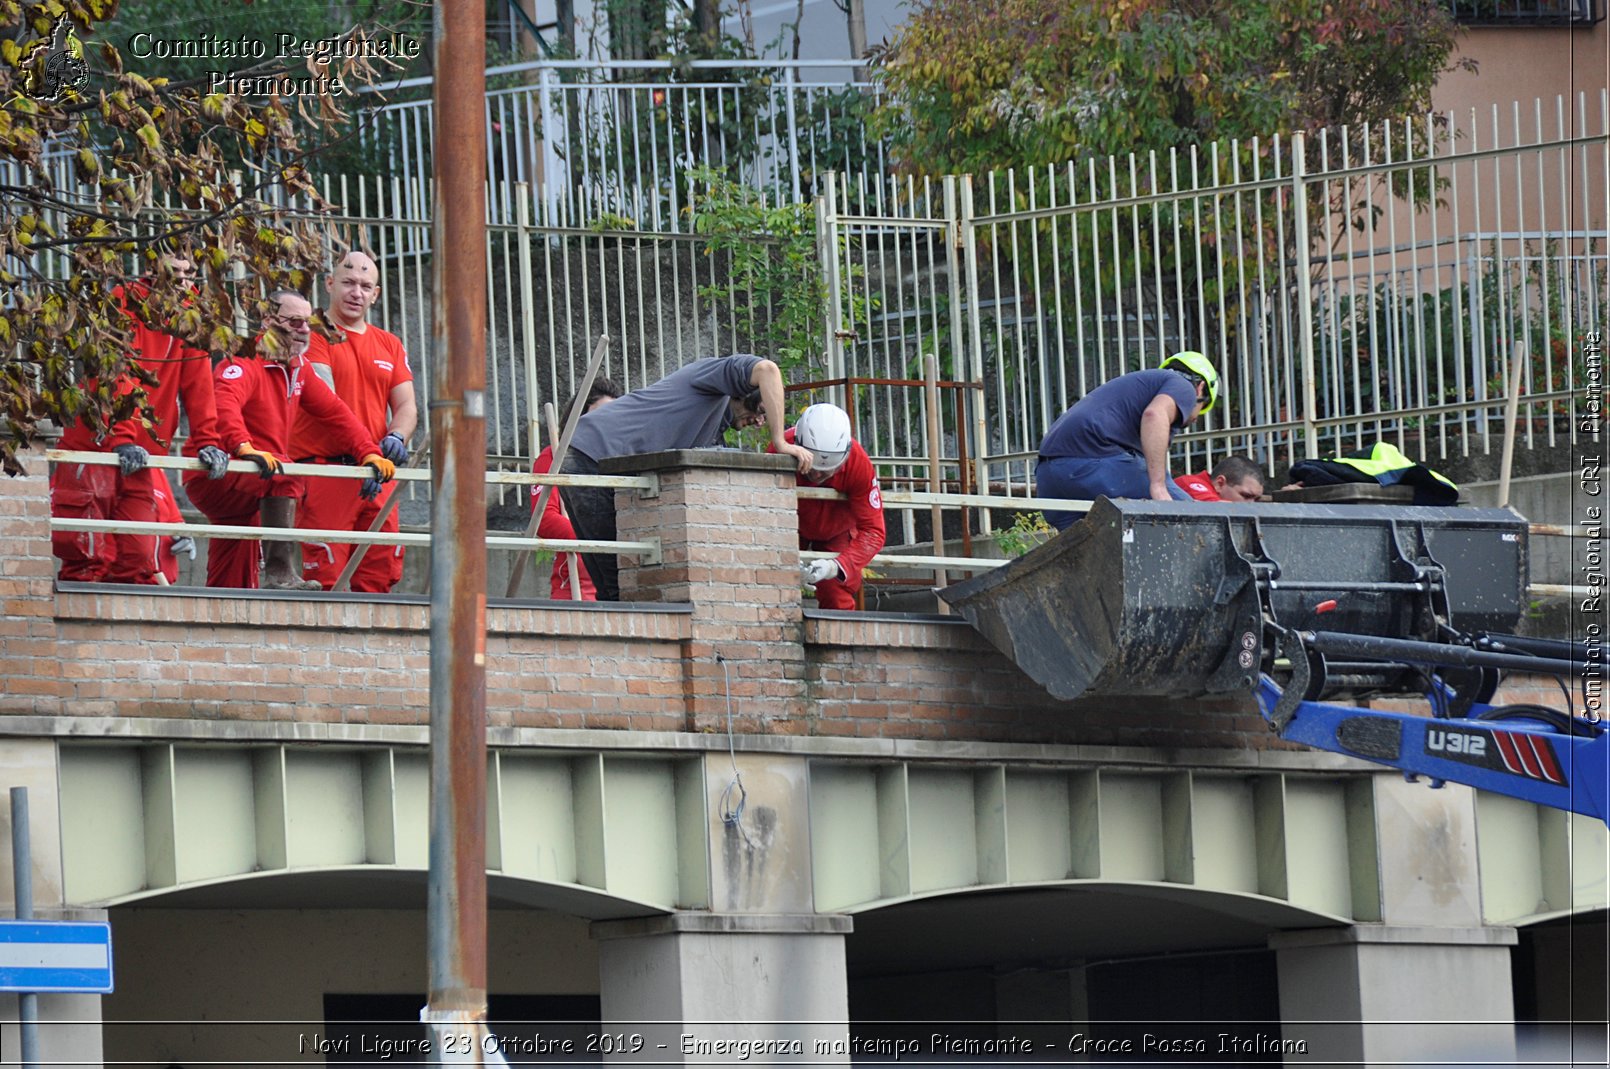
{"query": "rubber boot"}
(282, 561)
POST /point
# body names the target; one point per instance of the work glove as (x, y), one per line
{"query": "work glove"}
(268, 465)
(813, 572)
(384, 470)
(394, 449)
(183, 544)
(217, 462)
(130, 458)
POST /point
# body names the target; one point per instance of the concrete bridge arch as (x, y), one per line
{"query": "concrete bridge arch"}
(872, 874)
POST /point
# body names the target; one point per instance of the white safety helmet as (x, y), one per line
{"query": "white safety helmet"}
(825, 431)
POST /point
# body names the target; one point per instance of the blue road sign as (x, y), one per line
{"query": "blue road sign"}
(56, 956)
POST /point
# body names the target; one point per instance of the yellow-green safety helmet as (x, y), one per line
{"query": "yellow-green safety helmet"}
(1197, 364)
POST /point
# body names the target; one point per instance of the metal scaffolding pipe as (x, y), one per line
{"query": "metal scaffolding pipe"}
(456, 908)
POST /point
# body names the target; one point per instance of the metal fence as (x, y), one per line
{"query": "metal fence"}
(1359, 285)
(1364, 284)
(609, 142)
(1507, 13)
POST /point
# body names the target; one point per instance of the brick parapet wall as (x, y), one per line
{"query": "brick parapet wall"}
(727, 584)
(729, 547)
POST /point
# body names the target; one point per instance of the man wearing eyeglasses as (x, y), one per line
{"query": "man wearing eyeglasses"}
(132, 490)
(260, 395)
(368, 369)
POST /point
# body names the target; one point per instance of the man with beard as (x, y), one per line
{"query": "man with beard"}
(132, 490)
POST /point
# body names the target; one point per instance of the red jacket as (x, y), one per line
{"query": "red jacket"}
(555, 524)
(180, 371)
(860, 517)
(364, 369)
(1199, 486)
(258, 401)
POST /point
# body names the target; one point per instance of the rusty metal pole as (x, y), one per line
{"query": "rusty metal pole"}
(456, 904)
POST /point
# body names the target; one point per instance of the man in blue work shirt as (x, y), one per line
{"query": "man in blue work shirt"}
(1114, 441)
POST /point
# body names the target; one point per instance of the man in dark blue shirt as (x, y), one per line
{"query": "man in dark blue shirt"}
(1114, 441)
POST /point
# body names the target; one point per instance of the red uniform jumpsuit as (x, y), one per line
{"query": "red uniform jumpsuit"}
(853, 529)
(99, 491)
(364, 369)
(1199, 486)
(555, 524)
(167, 512)
(258, 401)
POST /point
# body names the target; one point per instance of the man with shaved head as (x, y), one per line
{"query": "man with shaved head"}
(368, 369)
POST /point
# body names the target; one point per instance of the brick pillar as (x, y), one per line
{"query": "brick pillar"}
(27, 592)
(728, 530)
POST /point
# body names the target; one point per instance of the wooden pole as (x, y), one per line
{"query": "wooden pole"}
(1517, 368)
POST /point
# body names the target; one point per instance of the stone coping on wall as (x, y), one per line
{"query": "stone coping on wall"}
(122, 729)
(899, 630)
(96, 602)
(684, 459)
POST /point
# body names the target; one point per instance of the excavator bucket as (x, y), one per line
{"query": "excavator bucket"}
(1179, 599)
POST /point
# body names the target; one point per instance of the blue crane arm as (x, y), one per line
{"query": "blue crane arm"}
(1524, 759)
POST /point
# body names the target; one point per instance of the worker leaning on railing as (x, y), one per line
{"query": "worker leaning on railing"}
(132, 491)
(259, 395)
(688, 409)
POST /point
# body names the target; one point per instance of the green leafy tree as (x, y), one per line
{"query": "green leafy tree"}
(975, 87)
(1037, 83)
(90, 151)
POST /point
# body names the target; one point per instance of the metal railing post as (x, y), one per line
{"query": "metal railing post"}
(22, 881)
(1305, 304)
(528, 318)
(827, 247)
(966, 240)
(790, 85)
(552, 176)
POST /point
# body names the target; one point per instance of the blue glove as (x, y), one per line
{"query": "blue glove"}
(370, 489)
(217, 462)
(130, 458)
(394, 449)
(183, 544)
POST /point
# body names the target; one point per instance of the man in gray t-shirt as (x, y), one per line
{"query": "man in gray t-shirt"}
(688, 409)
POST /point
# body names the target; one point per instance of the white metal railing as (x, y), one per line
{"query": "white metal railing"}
(589, 138)
(893, 500)
(494, 540)
(1391, 323)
